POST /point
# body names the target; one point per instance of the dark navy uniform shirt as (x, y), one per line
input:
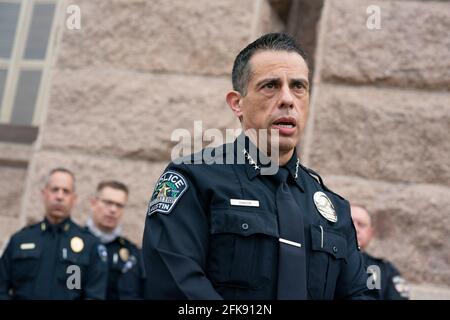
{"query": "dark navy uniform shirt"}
(197, 245)
(392, 285)
(36, 263)
(125, 275)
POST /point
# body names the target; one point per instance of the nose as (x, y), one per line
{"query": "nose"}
(112, 209)
(286, 99)
(60, 194)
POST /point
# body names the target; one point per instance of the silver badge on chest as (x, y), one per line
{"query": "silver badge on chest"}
(325, 206)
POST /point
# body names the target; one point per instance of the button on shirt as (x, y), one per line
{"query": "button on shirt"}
(197, 244)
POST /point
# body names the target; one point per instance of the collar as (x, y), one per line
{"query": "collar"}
(246, 151)
(105, 237)
(293, 166)
(64, 226)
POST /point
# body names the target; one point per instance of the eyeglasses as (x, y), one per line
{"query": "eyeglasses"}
(110, 203)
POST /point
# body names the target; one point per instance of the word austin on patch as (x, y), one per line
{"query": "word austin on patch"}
(169, 189)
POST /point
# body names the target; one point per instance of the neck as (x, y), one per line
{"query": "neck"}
(284, 157)
(105, 236)
(55, 220)
(105, 230)
(263, 148)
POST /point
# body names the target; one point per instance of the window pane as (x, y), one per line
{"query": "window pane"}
(26, 95)
(9, 13)
(3, 74)
(39, 33)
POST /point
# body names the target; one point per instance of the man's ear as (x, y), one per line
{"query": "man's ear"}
(234, 101)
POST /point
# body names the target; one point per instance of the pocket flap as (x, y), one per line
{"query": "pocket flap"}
(323, 239)
(77, 258)
(244, 222)
(34, 253)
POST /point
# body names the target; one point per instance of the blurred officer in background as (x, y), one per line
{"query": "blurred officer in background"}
(392, 285)
(224, 229)
(55, 258)
(125, 276)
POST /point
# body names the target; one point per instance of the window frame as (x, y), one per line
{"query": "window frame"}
(16, 63)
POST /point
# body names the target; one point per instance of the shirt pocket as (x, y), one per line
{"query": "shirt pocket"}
(329, 251)
(70, 264)
(243, 247)
(25, 265)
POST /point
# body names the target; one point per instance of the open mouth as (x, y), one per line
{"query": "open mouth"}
(286, 125)
(285, 122)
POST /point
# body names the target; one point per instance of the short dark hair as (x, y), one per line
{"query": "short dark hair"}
(271, 41)
(59, 169)
(112, 184)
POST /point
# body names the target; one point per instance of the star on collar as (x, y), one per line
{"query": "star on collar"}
(296, 168)
(250, 160)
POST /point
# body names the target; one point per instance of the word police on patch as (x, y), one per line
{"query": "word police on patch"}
(169, 189)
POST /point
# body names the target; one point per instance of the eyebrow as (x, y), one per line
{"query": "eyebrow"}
(62, 188)
(302, 80)
(267, 80)
(277, 80)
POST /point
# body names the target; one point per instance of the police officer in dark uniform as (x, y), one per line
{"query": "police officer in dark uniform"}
(56, 258)
(221, 225)
(387, 282)
(125, 275)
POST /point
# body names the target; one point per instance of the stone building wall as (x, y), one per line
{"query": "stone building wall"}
(138, 69)
(13, 171)
(380, 125)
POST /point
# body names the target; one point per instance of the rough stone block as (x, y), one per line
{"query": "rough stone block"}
(193, 36)
(392, 135)
(412, 224)
(410, 50)
(12, 183)
(133, 115)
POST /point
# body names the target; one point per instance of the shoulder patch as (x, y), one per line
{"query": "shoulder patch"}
(168, 190)
(401, 286)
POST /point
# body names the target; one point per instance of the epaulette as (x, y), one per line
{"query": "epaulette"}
(318, 178)
(377, 259)
(381, 260)
(30, 226)
(126, 243)
(122, 240)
